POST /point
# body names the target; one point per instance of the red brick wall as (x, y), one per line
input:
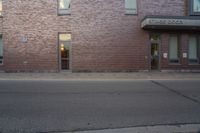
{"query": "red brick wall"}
(103, 37)
(38, 20)
(162, 7)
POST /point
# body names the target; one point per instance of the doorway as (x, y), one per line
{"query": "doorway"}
(155, 43)
(65, 60)
(65, 51)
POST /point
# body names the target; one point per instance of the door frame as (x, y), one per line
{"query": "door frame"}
(159, 50)
(59, 53)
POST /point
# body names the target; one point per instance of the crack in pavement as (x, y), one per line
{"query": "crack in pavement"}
(176, 92)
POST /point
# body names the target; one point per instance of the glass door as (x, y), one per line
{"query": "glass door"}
(64, 51)
(154, 56)
(65, 60)
(155, 41)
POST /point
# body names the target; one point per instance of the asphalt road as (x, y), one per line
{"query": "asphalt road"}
(58, 106)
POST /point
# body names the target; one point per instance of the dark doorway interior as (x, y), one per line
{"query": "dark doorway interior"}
(154, 56)
(64, 57)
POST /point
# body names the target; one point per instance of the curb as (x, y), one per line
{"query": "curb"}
(189, 128)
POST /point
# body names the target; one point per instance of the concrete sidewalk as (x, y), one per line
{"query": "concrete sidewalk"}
(190, 128)
(101, 76)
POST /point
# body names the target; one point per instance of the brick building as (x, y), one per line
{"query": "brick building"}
(99, 35)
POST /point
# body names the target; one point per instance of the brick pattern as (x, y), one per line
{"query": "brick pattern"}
(103, 37)
(38, 21)
(162, 7)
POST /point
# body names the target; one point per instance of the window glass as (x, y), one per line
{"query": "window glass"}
(193, 50)
(64, 4)
(64, 37)
(173, 49)
(1, 7)
(64, 45)
(196, 6)
(1, 50)
(64, 7)
(131, 6)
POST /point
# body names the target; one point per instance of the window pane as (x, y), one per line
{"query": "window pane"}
(192, 48)
(1, 48)
(131, 6)
(196, 5)
(64, 37)
(64, 4)
(1, 7)
(173, 47)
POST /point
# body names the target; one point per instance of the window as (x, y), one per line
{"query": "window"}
(1, 50)
(130, 6)
(194, 7)
(64, 6)
(193, 50)
(1, 9)
(173, 49)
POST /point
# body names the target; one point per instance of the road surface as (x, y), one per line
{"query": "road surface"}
(59, 106)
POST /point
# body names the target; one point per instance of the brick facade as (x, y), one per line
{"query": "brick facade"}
(103, 37)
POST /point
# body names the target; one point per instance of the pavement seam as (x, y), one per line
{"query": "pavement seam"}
(176, 92)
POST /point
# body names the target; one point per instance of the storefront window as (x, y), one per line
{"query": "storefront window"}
(1, 50)
(193, 50)
(173, 49)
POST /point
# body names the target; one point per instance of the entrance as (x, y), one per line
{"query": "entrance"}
(65, 51)
(155, 41)
(65, 57)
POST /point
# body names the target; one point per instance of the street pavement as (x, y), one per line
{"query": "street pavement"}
(48, 106)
